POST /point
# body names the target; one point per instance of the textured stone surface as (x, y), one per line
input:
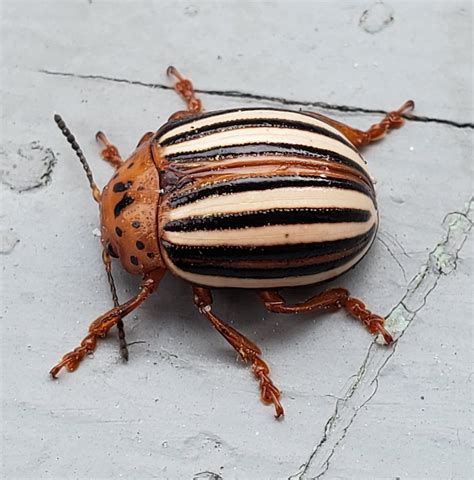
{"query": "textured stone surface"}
(183, 407)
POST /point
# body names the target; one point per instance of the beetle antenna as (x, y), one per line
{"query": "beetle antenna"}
(75, 146)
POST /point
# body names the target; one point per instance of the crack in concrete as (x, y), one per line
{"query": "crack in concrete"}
(207, 475)
(389, 250)
(394, 240)
(267, 98)
(442, 261)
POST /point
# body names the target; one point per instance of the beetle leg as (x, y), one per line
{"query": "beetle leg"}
(359, 138)
(100, 326)
(146, 136)
(245, 348)
(332, 299)
(121, 332)
(185, 90)
(110, 152)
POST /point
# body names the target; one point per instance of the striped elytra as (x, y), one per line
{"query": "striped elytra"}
(261, 198)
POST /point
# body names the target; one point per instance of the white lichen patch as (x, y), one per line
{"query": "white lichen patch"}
(443, 261)
(396, 323)
(444, 257)
(459, 222)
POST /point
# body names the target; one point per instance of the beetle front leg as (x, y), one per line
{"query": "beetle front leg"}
(332, 299)
(360, 138)
(185, 90)
(245, 348)
(110, 152)
(104, 323)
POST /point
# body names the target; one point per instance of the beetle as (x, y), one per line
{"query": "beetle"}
(255, 198)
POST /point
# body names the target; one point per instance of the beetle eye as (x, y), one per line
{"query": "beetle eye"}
(112, 251)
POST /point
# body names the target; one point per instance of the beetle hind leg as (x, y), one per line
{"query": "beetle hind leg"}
(185, 90)
(360, 138)
(109, 152)
(332, 299)
(248, 351)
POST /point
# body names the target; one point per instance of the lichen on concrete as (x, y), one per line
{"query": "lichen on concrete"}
(396, 322)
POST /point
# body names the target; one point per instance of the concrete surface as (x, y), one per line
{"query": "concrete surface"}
(183, 407)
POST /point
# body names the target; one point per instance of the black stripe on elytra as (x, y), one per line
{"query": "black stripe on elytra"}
(262, 218)
(272, 252)
(262, 149)
(219, 127)
(188, 119)
(240, 272)
(198, 116)
(124, 202)
(260, 183)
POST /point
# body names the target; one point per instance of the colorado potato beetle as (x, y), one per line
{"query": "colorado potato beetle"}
(256, 198)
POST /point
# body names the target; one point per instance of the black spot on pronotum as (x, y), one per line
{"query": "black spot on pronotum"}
(121, 187)
(134, 260)
(150, 255)
(136, 224)
(118, 231)
(112, 252)
(126, 200)
(131, 165)
(140, 245)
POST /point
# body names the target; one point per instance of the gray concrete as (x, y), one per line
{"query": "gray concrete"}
(183, 407)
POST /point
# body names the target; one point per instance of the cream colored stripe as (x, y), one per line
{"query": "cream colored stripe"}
(232, 282)
(244, 136)
(289, 197)
(250, 114)
(271, 235)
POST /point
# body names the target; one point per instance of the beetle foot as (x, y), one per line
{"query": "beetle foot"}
(185, 90)
(110, 152)
(72, 359)
(392, 120)
(269, 393)
(374, 323)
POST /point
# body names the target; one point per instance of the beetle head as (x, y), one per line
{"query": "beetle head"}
(128, 206)
(128, 213)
